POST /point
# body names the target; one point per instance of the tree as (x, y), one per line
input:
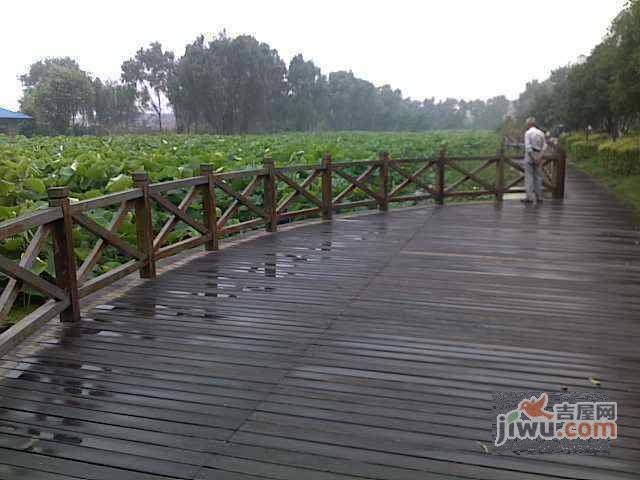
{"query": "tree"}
(196, 88)
(149, 72)
(231, 85)
(589, 101)
(625, 88)
(601, 90)
(58, 95)
(114, 104)
(307, 95)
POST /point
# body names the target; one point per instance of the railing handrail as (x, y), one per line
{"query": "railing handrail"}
(45, 215)
(58, 219)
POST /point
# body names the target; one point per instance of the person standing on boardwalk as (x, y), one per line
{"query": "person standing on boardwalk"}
(534, 144)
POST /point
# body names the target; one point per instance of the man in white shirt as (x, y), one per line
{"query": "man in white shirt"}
(534, 144)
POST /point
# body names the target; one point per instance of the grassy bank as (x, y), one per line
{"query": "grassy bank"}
(617, 163)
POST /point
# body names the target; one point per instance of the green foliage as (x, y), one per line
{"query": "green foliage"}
(64, 99)
(233, 85)
(148, 75)
(601, 90)
(616, 163)
(620, 157)
(114, 105)
(56, 93)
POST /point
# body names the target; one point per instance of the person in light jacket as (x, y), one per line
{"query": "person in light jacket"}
(534, 144)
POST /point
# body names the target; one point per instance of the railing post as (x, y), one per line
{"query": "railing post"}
(440, 179)
(327, 189)
(270, 195)
(64, 256)
(384, 181)
(500, 175)
(560, 172)
(144, 225)
(209, 212)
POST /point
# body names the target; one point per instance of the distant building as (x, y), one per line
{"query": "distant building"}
(9, 121)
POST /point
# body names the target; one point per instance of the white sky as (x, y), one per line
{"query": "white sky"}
(442, 48)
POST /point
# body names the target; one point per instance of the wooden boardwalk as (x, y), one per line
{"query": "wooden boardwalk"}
(367, 347)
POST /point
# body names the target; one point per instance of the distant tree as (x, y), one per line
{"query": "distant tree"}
(307, 100)
(493, 113)
(231, 85)
(58, 94)
(625, 88)
(114, 104)
(149, 72)
(590, 83)
(550, 104)
(352, 102)
(601, 90)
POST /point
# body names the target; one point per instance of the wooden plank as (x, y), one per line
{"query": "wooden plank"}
(466, 177)
(14, 226)
(96, 252)
(298, 168)
(13, 270)
(236, 203)
(363, 176)
(440, 176)
(172, 221)
(106, 200)
(327, 187)
(180, 214)
(284, 204)
(18, 332)
(160, 187)
(358, 184)
(243, 199)
(182, 245)
(300, 189)
(412, 178)
(300, 213)
(112, 276)
(473, 175)
(500, 188)
(356, 204)
(270, 195)
(257, 172)
(513, 163)
(242, 226)
(383, 157)
(64, 256)
(209, 209)
(108, 236)
(470, 193)
(13, 286)
(411, 198)
(144, 225)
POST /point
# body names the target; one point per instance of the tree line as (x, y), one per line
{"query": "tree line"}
(234, 85)
(601, 90)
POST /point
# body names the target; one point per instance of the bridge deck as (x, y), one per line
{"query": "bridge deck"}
(368, 347)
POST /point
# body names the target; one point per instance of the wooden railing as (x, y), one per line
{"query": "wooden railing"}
(266, 197)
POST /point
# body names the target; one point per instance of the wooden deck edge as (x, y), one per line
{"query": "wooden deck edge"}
(29, 325)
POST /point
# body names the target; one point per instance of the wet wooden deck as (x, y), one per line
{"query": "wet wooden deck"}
(364, 348)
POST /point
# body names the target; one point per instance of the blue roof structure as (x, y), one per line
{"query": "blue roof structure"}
(9, 115)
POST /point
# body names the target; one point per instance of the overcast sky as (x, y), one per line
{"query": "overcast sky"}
(441, 48)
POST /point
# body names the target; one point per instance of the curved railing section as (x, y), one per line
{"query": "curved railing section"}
(206, 208)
